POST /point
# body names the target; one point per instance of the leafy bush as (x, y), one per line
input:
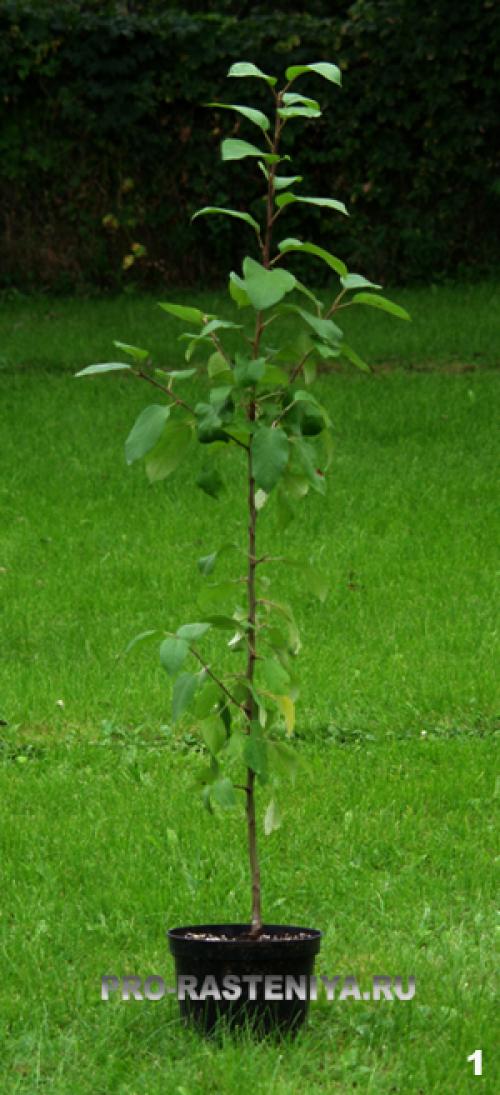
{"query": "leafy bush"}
(106, 144)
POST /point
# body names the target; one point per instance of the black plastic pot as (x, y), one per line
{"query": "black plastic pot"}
(218, 951)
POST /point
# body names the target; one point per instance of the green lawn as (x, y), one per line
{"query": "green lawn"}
(452, 324)
(387, 842)
(388, 848)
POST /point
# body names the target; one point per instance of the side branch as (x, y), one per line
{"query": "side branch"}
(217, 680)
(168, 391)
(295, 372)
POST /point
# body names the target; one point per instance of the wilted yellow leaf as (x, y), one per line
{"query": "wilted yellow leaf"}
(287, 708)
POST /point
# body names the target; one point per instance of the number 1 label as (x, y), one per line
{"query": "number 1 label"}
(477, 1057)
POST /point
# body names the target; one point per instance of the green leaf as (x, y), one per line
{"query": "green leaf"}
(232, 148)
(209, 328)
(184, 690)
(285, 199)
(207, 562)
(176, 374)
(239, 432)
(351, 355)
(274, 377)
(214, 735)
(308, 459)
(219, 324)
(207, 700)
(236, 745)
(108, 367)
(282, 759)
(376, 301)
(134, 351)
(277, 639)
(146, 431)
(357, 281)
(219, 396)
(272, 675)
(255, 754)
(244, 68)
(265, 287)
(216, 364)
(327, 203)
(141, 638)
(210, 481)
(180, 311)
(228, 212)
(225, 623)
(326, 329)
(248, 370)
(169, 452)
(209, 424)
(237, 291)
(296, 486)
(255, 116)
(293, 643)
(270, 452)
(302, 396)
(321, 68)
(226, 719)
(282, 181)
(222, 791)
(272, 818)
(192, 631)
(291, 98)
(312, 249)
(173, 652)
(327, 352)
(299, 112)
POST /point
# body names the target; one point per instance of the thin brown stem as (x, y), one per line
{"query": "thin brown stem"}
(217, 680)
(270, 211)
(219, 347)
(167, 391)
(256, 924)
(336, 304)
(296, 370)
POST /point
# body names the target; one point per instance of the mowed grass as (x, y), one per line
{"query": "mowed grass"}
(387, 841)
(455, 325)
(388, 848)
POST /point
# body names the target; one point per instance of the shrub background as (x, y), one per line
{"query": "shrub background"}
(104, 140)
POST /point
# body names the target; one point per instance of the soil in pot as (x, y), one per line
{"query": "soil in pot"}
(225, 977)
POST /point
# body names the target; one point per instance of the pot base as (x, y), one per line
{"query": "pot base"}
(226, 977)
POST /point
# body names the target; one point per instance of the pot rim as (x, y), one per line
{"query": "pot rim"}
(239, 930)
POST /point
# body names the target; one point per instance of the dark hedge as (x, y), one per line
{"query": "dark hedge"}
(105, 142)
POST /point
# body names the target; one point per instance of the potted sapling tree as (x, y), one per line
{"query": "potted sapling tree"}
(256, 406)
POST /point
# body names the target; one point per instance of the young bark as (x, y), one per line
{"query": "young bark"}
(256, 924)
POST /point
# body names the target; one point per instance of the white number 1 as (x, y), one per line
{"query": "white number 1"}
(477, 1057)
